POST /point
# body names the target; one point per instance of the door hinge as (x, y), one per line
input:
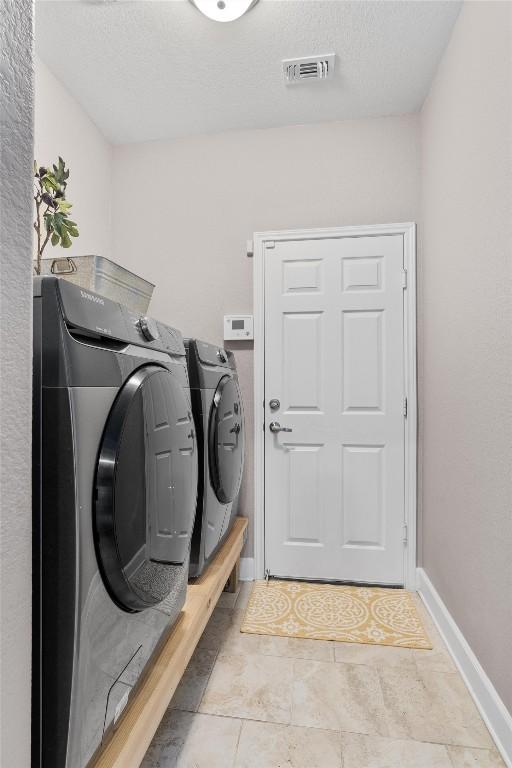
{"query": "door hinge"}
(405, 534)
(404, 277)
(267, 575)
(270, 244)
(405, 406)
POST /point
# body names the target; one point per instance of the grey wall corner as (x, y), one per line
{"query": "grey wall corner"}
(16, 215)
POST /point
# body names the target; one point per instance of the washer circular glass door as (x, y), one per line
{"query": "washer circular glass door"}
(145, 489)
(226, 440)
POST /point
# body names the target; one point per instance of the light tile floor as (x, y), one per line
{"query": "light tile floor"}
(251, 701)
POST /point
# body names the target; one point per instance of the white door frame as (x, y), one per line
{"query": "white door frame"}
(261, 241)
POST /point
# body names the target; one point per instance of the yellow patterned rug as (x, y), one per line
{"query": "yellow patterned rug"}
(333, 612)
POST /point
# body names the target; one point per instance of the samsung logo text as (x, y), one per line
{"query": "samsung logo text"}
(90, 297)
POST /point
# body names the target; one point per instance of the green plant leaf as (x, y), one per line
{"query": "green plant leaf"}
(71, 229)
(55, 239)
(49, 183)
(58, 223)
(65, 240)
(49, 222)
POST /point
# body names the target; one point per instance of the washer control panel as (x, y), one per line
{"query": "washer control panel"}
(90, 312)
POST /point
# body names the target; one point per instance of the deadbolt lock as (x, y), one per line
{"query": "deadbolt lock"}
(274, 405)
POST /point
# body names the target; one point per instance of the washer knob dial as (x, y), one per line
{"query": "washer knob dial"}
(148, 328)
(221, 355)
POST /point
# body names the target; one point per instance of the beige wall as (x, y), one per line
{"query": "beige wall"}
(184, 209)
(466, 361)
(16, 208)
(63, 128)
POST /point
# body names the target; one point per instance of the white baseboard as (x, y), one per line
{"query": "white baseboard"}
(493, 711)
(247, 569)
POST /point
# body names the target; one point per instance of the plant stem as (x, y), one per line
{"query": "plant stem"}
(44, 246)
(37, 227)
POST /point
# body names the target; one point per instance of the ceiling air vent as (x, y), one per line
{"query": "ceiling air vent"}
(308, 68)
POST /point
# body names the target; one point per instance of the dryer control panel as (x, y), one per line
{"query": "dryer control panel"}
(90, 312)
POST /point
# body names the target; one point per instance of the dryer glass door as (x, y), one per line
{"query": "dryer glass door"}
(146, 482)
(226, 440)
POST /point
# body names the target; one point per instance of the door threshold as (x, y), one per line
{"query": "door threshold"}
(335, 582)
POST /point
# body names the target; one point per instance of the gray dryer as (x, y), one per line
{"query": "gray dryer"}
(219, 417)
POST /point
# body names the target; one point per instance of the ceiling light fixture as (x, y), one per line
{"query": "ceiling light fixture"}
(224, 10)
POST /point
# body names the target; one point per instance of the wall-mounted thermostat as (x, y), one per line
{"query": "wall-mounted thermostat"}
(238, 327)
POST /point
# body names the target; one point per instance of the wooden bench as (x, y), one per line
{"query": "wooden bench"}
(134, 733)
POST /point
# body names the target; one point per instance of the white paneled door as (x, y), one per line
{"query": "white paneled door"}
(334, 384)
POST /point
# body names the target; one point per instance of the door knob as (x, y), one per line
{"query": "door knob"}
(275, 426)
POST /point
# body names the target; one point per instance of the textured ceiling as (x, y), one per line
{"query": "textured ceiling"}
(149, 70)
